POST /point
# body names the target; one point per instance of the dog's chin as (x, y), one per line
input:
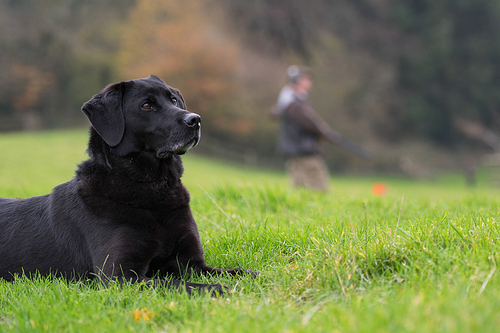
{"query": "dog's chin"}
(177, 150)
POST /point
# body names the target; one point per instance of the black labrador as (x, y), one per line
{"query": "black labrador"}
(125, 215)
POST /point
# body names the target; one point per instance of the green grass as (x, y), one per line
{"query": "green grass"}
(346, 261)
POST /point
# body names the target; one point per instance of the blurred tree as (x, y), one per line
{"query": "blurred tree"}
(288, 24)
(387, 70)
(54, 54)
(29, 85)
(446, 53)
(453, 67)
(180, 45)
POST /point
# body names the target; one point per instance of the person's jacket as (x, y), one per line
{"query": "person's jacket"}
(302, 129)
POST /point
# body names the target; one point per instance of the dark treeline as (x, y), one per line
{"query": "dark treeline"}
(387, 72)
(54, 54)
(447, 52)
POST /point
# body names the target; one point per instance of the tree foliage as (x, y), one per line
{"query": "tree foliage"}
(179, 44)
(54, 54)
(386, 70)
(445, 53)
(455, 68)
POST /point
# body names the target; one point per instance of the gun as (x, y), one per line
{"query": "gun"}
(339, 139)
(347, 144)
(354, 147)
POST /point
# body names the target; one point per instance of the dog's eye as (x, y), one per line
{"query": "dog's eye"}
(146, 106)
(174, 100)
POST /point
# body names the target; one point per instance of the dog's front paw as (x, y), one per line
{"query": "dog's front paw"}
(241, 271)
(218, 290)
(215, 290)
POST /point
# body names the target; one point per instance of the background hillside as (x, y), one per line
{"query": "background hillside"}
(415, 81)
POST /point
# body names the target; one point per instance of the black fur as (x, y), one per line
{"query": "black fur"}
(125, 215)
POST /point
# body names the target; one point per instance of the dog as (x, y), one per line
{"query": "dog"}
(125, 215)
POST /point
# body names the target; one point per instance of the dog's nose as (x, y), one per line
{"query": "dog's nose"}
(192, 120)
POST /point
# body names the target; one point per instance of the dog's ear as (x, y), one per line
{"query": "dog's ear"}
(180, 99)
(156, 78)
(104, 111)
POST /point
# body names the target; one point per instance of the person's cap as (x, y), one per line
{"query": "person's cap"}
(295, 72)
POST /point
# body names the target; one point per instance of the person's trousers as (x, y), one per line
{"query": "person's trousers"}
(308, 171)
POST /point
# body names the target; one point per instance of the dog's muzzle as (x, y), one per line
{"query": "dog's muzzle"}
(182, 150)
(192, 120)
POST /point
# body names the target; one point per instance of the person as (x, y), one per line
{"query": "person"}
(302, 131)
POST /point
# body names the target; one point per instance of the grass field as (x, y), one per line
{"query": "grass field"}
(421, 258)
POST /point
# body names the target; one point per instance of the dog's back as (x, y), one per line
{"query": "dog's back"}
(38, 234)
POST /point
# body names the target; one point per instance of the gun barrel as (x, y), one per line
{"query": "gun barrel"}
(355, 148)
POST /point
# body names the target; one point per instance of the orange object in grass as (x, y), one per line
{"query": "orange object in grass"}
(142, 314)
(379, 188)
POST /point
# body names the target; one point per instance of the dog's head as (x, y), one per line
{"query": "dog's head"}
(143, 115)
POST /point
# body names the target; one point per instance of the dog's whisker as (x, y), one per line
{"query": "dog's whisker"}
(140, 155)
